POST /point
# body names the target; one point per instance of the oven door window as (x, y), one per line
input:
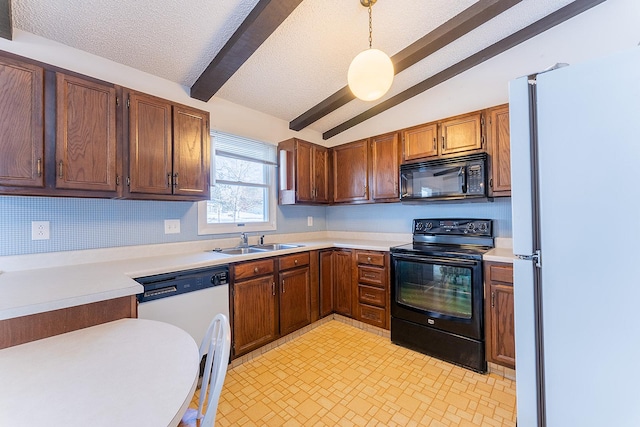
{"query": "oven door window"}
(435, 288)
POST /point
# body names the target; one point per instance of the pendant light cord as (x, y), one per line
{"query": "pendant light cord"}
(370, 27)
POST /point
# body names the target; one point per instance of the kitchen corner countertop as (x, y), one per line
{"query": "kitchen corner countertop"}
(499, 255)
(32, 291)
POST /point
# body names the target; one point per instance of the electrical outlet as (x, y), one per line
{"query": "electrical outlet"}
(309, 221)
(171, 226)
(39, 230)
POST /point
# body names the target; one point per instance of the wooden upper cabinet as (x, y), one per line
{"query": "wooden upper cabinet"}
(385, 164)
(86, 134)
(351, 172)
(321, 165)
(304, 173)
(499, 143)
(191, 158)
(461, 134)
(150, 144)
(169, 154)
(21, 124)
(420, 142)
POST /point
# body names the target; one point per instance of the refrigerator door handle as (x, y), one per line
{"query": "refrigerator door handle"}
(536, 256)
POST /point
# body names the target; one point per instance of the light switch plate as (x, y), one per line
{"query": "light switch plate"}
(39, 230)
(171, 226)
(309, 221)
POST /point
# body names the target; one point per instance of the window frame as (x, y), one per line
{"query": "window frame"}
(205, 228)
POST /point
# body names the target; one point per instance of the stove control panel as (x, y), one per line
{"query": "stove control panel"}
(461, 227)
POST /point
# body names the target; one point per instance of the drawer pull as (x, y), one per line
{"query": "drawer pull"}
(255, 270)
(368, 259)
(295, 261)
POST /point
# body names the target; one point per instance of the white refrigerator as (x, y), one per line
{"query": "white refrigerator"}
(575, 146)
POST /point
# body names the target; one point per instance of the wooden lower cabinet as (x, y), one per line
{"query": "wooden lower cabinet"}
(326, 262)
(20, 330)
(499, 314)
(263, 308)
(295, 294)
(342, 282)
(373, 288)
(255, 305)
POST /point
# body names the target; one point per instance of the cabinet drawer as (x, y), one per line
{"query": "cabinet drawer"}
(372, 276)
(253, 268)
(501, 273)
(373, 296)
(371, 258)
(295, 260)
(372, 315)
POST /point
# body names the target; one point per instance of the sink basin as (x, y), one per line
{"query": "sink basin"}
(276, 246)
(241, 251)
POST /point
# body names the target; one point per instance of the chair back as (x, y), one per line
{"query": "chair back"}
(216, 345)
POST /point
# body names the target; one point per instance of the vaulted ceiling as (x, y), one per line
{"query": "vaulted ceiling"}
(289, 58)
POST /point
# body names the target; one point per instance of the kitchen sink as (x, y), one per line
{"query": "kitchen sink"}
(257, 248)
(276, 246)
(241, 251)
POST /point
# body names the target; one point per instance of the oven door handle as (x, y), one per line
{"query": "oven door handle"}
(431, 259)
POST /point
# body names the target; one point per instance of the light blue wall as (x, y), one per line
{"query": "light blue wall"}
(397, 217)
(77, 224)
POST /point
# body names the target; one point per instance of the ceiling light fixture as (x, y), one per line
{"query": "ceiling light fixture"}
(371, 71)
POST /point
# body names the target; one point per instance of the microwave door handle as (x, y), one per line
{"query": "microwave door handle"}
(463, 172)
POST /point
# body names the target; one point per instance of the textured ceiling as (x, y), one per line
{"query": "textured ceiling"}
(306, 59)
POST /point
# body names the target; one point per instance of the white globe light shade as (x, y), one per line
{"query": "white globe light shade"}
(370, 74)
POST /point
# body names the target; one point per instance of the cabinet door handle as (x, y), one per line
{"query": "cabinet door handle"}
(39, 166)
(491, 182)
(434, 143)
(365, 191)
(273, 288)
(168, 180)
(493, 299)
(443, 142)
(283, 286)
(60, 169)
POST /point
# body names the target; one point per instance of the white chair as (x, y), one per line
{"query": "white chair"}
(216, 345)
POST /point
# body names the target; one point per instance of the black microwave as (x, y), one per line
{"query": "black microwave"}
(454, 178)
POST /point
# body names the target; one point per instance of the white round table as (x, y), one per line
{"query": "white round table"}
(130, 372)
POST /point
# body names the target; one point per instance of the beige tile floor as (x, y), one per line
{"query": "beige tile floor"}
(339, 375)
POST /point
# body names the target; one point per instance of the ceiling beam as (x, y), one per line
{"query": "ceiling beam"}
(456, 27)
(6, 26)
(538, 27)
(263, 20)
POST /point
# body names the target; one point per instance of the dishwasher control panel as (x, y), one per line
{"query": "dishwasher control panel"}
(180, 282)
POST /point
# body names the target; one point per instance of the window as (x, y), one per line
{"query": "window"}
(242, 187)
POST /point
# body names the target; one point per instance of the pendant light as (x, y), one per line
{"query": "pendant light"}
(371, 71)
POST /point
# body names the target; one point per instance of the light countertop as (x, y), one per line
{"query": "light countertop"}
(36, 290)
(499, 255)
(127, 372)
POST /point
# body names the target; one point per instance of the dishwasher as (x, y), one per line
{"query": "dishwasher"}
(188, 299)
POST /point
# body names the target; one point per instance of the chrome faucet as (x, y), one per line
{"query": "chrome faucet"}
(244, 240)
